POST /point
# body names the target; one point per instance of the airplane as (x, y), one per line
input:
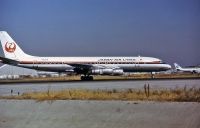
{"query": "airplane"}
(85, 66)
(192, 70)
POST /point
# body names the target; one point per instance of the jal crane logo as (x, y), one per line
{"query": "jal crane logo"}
(10, 47)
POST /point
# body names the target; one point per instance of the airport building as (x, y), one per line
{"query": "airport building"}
(13, 72)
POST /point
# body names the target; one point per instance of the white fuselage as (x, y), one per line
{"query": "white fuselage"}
(64, 64)
(193, 70)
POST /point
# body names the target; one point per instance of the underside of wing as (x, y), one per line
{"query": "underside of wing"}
(96, 69)
(90, 66)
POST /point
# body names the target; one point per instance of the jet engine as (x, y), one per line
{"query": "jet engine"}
(107, 71)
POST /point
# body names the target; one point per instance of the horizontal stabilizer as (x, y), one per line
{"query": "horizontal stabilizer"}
(8, 61)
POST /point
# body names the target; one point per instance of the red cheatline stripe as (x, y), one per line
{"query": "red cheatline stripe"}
(66, 62)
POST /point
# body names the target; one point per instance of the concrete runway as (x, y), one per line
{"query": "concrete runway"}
(98, 114)
(156, 84)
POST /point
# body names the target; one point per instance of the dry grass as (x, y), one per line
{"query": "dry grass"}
(177, 94)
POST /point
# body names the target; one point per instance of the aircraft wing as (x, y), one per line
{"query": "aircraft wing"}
(90, 66)
(86, 66)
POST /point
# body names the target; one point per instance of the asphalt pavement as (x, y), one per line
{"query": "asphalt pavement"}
(98, 114)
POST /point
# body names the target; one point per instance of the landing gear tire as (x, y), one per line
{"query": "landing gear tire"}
(86, 78)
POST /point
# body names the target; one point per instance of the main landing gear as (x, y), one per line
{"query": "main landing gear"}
(86, 78)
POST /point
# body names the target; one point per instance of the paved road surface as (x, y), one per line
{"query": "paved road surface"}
(6, 89)
(98, 114)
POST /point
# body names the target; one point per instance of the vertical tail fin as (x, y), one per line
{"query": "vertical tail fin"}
(177, 67)
(10, 48)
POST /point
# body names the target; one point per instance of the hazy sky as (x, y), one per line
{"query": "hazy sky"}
(167, 29)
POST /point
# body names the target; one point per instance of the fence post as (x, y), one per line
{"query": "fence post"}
(145, 89)
(11, 91)
(148, 90)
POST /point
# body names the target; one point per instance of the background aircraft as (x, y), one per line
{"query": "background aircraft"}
(192, 70)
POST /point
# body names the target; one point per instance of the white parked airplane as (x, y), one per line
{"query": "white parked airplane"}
(192, 70)
(86, 66)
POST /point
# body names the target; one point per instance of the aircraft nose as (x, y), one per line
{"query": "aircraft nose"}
(168, 66)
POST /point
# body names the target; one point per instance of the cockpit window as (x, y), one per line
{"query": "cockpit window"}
(162, 62)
